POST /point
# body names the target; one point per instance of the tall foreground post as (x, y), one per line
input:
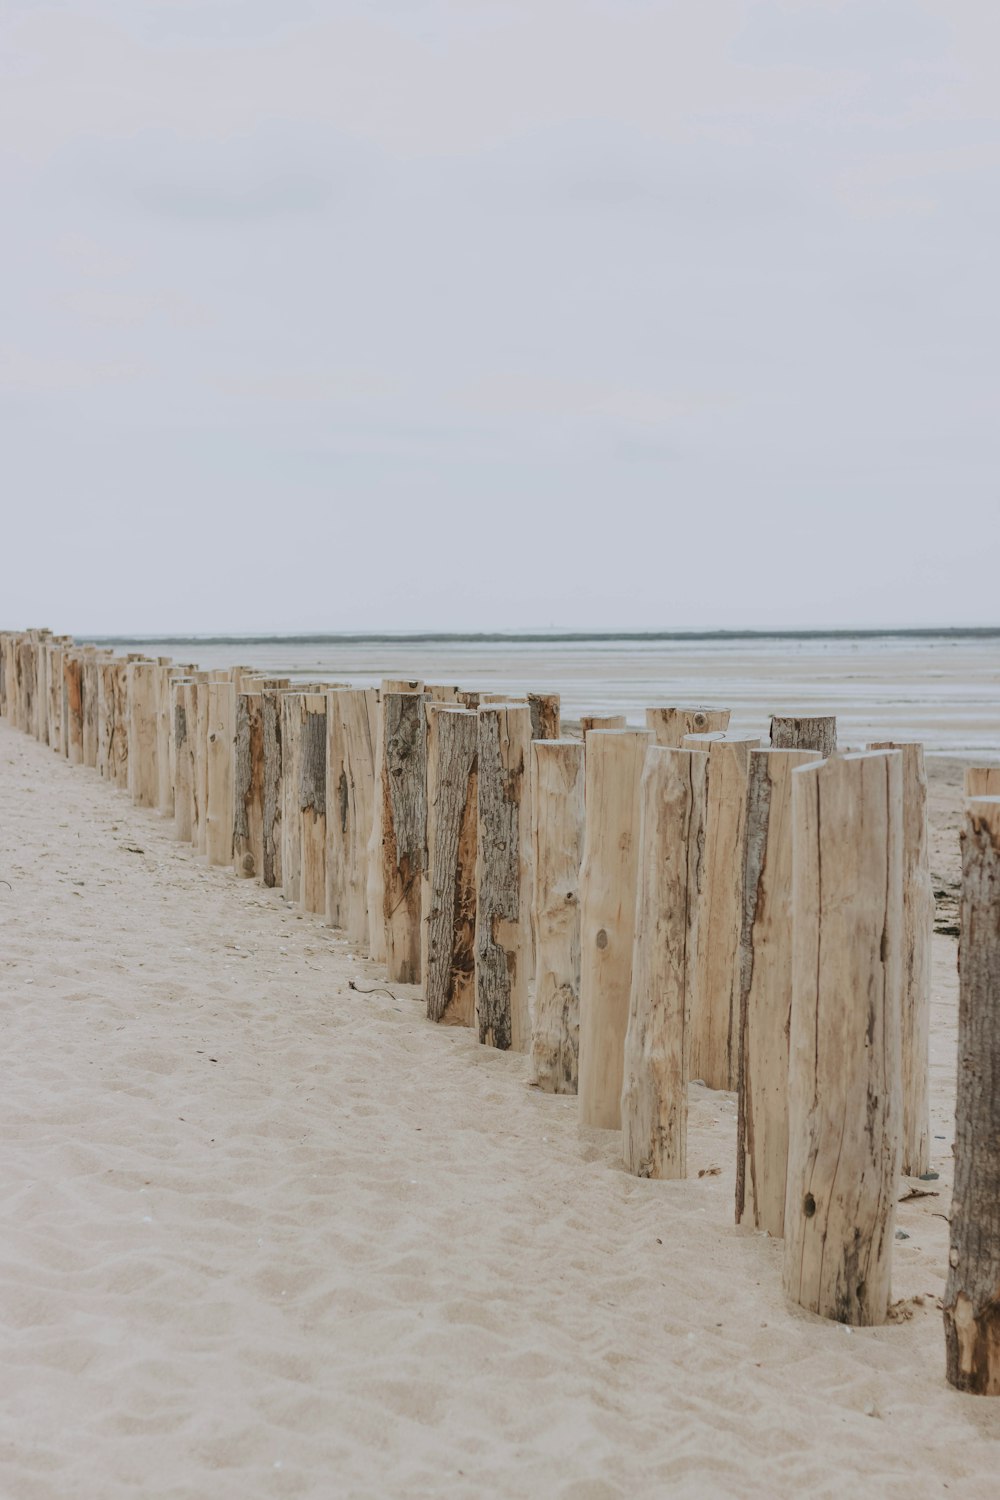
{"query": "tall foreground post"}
(557, 804)
(972, 1295)
(664, 962)
(449, 888)
(607, 916)
(312, 801)
(669, 726)
(219, 773)
(918, 930)
(765, 990)
(248, 786)
(350, 795)
(844, 1101)
(801, 732)
(376, 889)
(292, 710)
(403, 791)
(503, 901)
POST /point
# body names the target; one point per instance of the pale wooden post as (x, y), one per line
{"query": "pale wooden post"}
(200, 761)
(118, 725)
(184, 690)
(670, 725)
(55, 678)
(765, 997)
(448, 917)
(545, 719)
(982, 781)
(142, 736)
(918, 931)
(443, 693)
(971, 1300)
(350, 794)
(248, 786)
(292, 711)
(105, 712)
(601, 721)
(503, 891)
(89, 677)
(715, 1016)
(376, 890)
(272, 795)
(312, 801)
(73, 706)
(403, 791)
(664, 965)
(844, 1098)
(608, 882)
(219, 766)
(557, 802)
(801, 732)
(489, 698)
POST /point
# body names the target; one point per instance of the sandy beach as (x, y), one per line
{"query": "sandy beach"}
(231, 1269)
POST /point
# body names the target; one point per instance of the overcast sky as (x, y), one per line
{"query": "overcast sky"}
(325, 316)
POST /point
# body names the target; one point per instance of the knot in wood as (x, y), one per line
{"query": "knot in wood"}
(602, 939)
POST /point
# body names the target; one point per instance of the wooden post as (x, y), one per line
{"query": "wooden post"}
(669, 726)
(403, 791)
(219, 767)
(608, 882)
(448, 914)
(184, 694)
(89, 675)
(545, 720)
(557, 803)
(601, 721)
(312, 801)
(765, 990)
(350, 792)
(664, 962)
(982, 781)
(272, 796)
(803, 733)
(73, 706)
(248, 786)
(844, 1099)
(918, 931)
(503, 916)
(715, 1017)
(972, 1296)
(443, 693)
(118, 725)
(142, 733)
(376, 892)
(292, 711)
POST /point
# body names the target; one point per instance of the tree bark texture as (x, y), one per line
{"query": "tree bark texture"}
(248, 786)
(804, 733)
(449, 890)
(503, 918)
(670, 725)
(403, 787)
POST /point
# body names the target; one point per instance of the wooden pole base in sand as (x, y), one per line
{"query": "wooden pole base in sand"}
(557, 803)
(449, 887)
(503, 899)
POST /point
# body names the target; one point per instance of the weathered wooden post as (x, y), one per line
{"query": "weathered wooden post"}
(403, 790)
(669, 726)
(601, 721)
(503, 890)
(185, 713)
(765, 990)
(142, 733)
(312, 801)
(271, 715)
(557, 803)
(714, 1054)
(608, 883)
(801, 732)
(350, 793)
(664, 962)
(918, 930)
(972, 1296)
(292, 711)
(448, 916)
(844, 1100)
(376, 891)
(219, 778)
(545, 720)
(118, 725)
(73, 706)
(89, 676)
(248, 786)
(982, 781)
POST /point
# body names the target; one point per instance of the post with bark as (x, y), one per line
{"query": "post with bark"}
(669, 726)
(72, 716)
(715, 1017)
(248, 787)
(219, 773)
(844, 1098)
(448, 916)
(376, 891)
(272, 794)
(765, 990)
(292, 711)
(503, 916)
(608, 883)
(802, 732)
(403, 791)
(918, 930)
(972, 1295)
(312, 801)
(557, 803)
(142, 733)
(89, 678)
(545, 720)
(350, 792)
(664, 962)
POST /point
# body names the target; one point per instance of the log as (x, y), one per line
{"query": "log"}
(545, 720)
(557, 803)
(350, 791)
(376, 893)
(674, 809)
(972, 1295)
(448, 894)
(248, 786)
(715, 1017)
(804, 733)
(670, 725)
(608, 882)
(503, 892)
(403, 791)
(918, 932)
(185, 714)
(272, 794)
(844, 1098)
(312, 801)
(72, 715)
(219, 778)
(601, 721)
(765, 994)
(982, 781)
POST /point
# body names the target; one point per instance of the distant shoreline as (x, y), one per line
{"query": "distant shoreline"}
(555, 637)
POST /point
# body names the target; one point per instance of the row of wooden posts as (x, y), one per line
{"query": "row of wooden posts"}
(636, 908)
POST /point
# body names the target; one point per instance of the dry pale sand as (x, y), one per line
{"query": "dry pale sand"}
(266, 1236)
